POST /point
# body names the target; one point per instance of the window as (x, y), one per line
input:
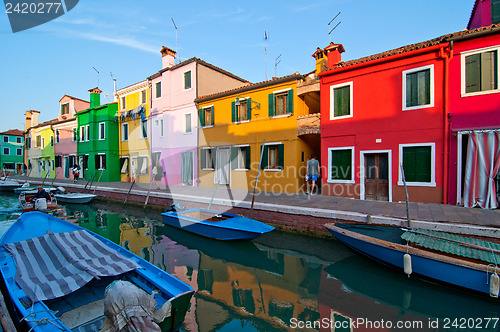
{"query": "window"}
(58, 161)
(6, 151)
(100, 161)
(142, 165)
(82, 134)
(144, 128)
(418, 88)
(207, 158)
(161, 127)
(124, 165)
(52, 164)
(158, 89)
(418, 164)
(241, 110)
(187, 80)
(75, 135)
(6, 139)
(124, 132)
(207, 116)
(51, 140)
(281, 103)
(64, 108)
(38, 141)
(102, 132)
(28, 143)
(273, 157)
(188, 123)
(57, 136)
(143, 96)
(481, 71)
(341, 101)
(19, 152)
(240, 157)
(43, 142)
(341, 165)
(123, 105)
(19, 139)
(87, 129)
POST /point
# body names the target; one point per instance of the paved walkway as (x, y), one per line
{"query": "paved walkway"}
(309, 203)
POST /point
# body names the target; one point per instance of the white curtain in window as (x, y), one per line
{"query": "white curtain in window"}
(483, 162)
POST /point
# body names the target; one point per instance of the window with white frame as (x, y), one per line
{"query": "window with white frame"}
(207, 158)
(418, 162)
(341, 101)
(240, 157)
(43, 142)
(158, 89)
(87, 129)
(123, 105)
(100, 161)
(124, 131)
(58, 138)
(480, 71)
(102, 131)
(418, 88)
(280, 102)
(144, 128)
(51, 140)
(64, 108)
(187, 80)
(19, 152)
(82, 134)
(187, 118)
(6, 151)
(75, 135)
(273, 157)
(142, 165)
(124, 165)
(341, 165)
(143, 96)
(161, 127)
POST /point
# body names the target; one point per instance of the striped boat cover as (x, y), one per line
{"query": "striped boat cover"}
(57, 264)
(455, 244)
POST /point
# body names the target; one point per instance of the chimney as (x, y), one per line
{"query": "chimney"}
(321, 61)
(31, 119)
(167, 57)
(95, 97)
(333, 52)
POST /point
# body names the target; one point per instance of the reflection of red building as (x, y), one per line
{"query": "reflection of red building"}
(382, 111)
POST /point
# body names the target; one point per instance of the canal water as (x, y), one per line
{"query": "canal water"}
(281, 281)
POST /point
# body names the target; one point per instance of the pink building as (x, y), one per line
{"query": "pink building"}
(65, 135)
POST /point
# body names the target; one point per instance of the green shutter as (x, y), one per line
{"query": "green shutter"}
(488, 71)
(495, 11)
(247, 160)
(341, 164)
(411, 90)
(201, 113)
(271, 104)
(264, 158)
(290, 101)
(342, 101)
(213, 116)
(233, 112)
(417, 163)
(281, 156)
(249, 109)
(473, 73)
(203, 158)
(234, 157)
(212, 157)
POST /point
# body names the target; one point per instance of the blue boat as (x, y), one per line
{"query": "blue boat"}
(386, 245)
(61, 277)
(215, 225)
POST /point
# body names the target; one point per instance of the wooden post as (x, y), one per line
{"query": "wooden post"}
(102, 171)
(45, 178)
(149, 190)
(406, 194)
(89, 181)
(52, 183)
(27, 176)
(126, 197)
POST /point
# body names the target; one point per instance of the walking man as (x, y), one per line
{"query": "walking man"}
(312, 171)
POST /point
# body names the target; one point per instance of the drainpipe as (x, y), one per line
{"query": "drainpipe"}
(446, 53)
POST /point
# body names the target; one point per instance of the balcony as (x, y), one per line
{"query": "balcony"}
(309, 124)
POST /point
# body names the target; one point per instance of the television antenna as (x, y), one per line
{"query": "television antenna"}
(331, 30)
(114, 85)
(97, 76)
(276, 62)
(266, 36)
(175, 26)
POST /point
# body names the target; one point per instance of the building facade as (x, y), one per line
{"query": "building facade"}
(173, 120)
(239, 125)
(12, 152)
(97, 147)
(134, 128)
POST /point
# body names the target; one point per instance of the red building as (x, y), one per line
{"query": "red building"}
(474, 96)
(380, 112)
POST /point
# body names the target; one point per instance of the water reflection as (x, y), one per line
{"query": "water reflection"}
(269, 283)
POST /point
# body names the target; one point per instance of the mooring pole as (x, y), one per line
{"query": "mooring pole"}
(130, 189)
(99, 180)
(258, 173)
(406, 194)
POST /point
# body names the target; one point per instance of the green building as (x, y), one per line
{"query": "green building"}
(97, 147)
(11, 152)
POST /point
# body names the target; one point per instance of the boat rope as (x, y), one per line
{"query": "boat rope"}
(42, 321)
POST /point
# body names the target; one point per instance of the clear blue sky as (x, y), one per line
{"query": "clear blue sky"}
(40, 65)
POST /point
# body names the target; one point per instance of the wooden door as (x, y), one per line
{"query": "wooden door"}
(377, 176)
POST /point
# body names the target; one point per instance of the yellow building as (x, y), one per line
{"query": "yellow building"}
(235, 123)
(47, 146)
(134, 129)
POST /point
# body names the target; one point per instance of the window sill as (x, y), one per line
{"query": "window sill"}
(241, 170)
(417, 184)
(333, 118)
(341, 181)
(204, 127)
(479, 93)
(419, 107)
(239, 122)
(272, 169)
(282, 116)
(207, 169)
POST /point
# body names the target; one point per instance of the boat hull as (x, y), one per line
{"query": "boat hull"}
(148, 277)
(441, 268)
(224, 226)
(75, 198)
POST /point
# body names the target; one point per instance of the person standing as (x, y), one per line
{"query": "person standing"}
(158, 174)
(312, 171)
(76, 173)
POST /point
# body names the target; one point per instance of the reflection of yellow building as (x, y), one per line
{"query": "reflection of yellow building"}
(133, 113)
(272, 296)
(136, 240)
(234, 125)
